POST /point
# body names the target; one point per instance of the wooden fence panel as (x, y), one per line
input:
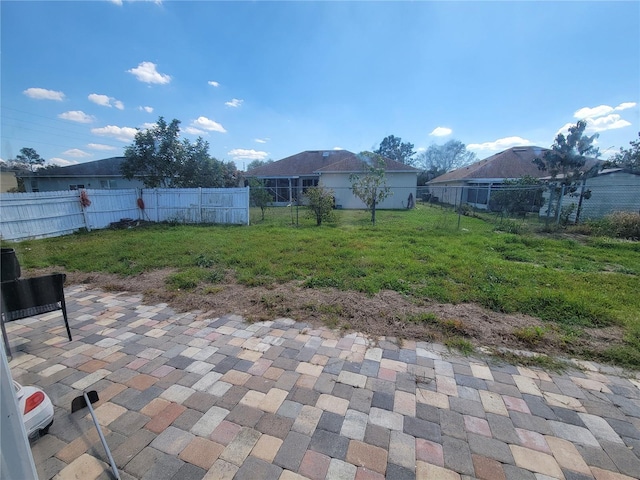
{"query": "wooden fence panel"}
(40, 214)
(50, 214)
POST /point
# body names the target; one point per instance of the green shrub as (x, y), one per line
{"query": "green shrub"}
(625, 224)
(617, 225)
(466, 210)
(509, 226)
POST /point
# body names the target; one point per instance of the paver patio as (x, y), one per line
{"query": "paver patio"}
(190, 396)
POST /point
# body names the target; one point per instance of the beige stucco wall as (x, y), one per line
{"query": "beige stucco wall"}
(447, 192)
(613, 192)
(402, 184)
(7, 181)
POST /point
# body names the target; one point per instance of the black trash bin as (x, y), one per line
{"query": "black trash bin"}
(9, 265)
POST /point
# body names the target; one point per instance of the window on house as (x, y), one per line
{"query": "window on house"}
(76, 187)
(478, 194)
(308, 182)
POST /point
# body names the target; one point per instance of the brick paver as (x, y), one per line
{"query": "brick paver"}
(188, 395)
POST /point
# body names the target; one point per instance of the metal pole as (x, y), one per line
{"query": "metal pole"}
(102, 439)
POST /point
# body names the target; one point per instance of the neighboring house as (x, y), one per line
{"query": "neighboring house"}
(8, 179)
(474, 183)
(289, 178)
(612, 190)
(100, 174)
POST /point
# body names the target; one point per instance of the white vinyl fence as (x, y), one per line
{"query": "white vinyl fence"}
(50, 214)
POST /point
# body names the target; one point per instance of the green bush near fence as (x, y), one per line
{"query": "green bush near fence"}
(421, 253)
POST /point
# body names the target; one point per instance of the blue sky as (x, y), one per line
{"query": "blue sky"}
(261, 80)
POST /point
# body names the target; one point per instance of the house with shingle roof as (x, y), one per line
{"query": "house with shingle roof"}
(473, 184)
(99, 174)
(289, 178)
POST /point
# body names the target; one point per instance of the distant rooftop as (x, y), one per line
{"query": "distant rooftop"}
(514, 162)
(312, 162)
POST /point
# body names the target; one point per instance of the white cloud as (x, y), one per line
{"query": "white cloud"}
(441, 132)
(213, 84)
(564, 129)
(421, 149)
(76, 152)
(98, 99)
(105, 101)
(62, 162)
(601, 110)
(148, 125)
(500, 144)
(245, 154)
(261, 140)
(77, 116)
(146, 109)
(146, 72)
(625, 105)
(100, 146)
(124, 134)
(206, 124)
(589, 112)
(610, 122)
(117, 2)
(338, 148)
(44, 94)
(194, 131)
(234, 102)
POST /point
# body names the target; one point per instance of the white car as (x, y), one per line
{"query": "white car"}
(36, 408)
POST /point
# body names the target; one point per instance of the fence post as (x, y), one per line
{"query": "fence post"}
(559, 207)
(84, 212)
(155, 202)
(248, 196)
(200, 205)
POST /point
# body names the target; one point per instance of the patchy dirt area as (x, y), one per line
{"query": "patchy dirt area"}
(387, 313)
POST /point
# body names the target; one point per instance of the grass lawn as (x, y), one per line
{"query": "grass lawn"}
(421, 253)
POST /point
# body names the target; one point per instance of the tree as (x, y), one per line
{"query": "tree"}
(29, 158)
(518, 196)
(628, 159)
(440, 159)
(392, 147)
(156, 155)
(258, 163)
(161, 160)
(320, 203)
(259, 195)
(201, 170)
(370, 186)
(566, 161)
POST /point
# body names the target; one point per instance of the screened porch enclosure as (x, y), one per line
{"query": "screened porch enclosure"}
(289, 189)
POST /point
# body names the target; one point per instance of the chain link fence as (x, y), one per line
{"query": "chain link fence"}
(547, 204)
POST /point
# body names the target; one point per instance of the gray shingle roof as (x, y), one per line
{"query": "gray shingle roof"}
(311, 162)
(108, 167)
(515, 162)
(512, 163)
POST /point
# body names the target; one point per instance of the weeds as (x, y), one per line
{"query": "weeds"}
(462, 345)
(530, 335)
(538, 360)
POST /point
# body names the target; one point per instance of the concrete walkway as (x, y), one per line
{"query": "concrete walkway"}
(188, 396)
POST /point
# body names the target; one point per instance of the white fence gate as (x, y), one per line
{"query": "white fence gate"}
(50, 214)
